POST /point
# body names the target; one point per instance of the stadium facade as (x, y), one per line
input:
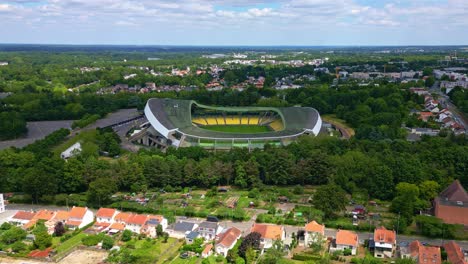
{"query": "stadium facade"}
(184, 123)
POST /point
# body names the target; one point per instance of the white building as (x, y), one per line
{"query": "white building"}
(227, 241)
(269, 234)
(79, 217)
(384, 243)
(345, 240)
(314, 232)
(75, 149)
(2, 204)
(106, 215)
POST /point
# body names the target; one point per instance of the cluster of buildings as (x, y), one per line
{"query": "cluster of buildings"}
(106, 220)
(434, 110)
(288, 82)
(395, 76)
(149, 87)
(293, 63)
(3, 63)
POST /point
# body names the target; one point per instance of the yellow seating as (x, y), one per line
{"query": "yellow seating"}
(277, 125)
(220, 120)
(253, 120)
(199, 121)
(244, 121)
(211, 121)
(232, 120)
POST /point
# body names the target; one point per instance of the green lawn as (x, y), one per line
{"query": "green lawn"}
(70, 243)
(178, 260)
(245, 129)
(84, 136)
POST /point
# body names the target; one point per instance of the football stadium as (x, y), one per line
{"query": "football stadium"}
(184, 123)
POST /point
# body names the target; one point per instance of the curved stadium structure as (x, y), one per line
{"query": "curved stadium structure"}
(184, 123)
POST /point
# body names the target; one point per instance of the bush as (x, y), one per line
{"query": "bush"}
(92, 240)
(18, 246)
(107, 242)
(305, 257)
(126, 235)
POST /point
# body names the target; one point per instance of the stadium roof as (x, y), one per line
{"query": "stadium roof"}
(175, 114)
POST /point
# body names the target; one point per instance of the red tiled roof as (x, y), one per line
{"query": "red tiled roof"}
(381, 234)
(73, 223)
(425, 254)
(122, 217)
(105, 212)
(117, 226)
(157, 217)
(61, 216)
(268, 231)
(97, 224)
(207, 249)
(78, 212)
(315, 227)
(40, 254)
(137, 219)
(24, 215)
(44, 215)
(454, 253)
(345, 237)
(229, 237)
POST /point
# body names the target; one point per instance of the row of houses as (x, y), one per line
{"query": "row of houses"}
(391, 75)
(105, 220)
(434, 110)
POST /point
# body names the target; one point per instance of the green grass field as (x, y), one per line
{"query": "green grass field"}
(243, 129)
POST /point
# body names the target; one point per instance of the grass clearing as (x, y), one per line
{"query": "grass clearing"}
(84, 136)
(339, 123)
(244, 129)
(70, 243)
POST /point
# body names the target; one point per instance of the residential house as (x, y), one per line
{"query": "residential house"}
(79, 217)
(452, 204)
(60, 216)
(345, 240)
(424, 116)
(207, 251)
(121, 217)
(314, 232)
(384, 243)
(424, 254)
(268, 233)
(21, 218)
(227, 240)
(181, 229)
(44, 215)
(455, 254)
(209, 230)
(135, 222)
(115, 228)
(190, 237)
(106, 215)
(152, 223)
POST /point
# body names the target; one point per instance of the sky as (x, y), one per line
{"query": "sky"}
(235, 22)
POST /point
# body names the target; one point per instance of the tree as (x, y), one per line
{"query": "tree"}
(12, 125)
(59, 229)
(274, 253)
(330, 199)
(12, 235)
(159, 230)
(250, 255)
(42, 240)
(251, 241)
(429, 190)
(107, 242)
(100, 191)
(406, 201)
(126, 235)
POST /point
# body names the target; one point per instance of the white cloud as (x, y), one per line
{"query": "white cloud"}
(241, 19)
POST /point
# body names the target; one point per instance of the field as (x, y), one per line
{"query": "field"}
(243, 129)
(340, 125)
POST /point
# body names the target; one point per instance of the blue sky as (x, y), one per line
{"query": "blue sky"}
(235, 22)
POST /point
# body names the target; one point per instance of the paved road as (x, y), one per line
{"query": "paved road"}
(329, 232)
(243, 226)
(447, 103)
